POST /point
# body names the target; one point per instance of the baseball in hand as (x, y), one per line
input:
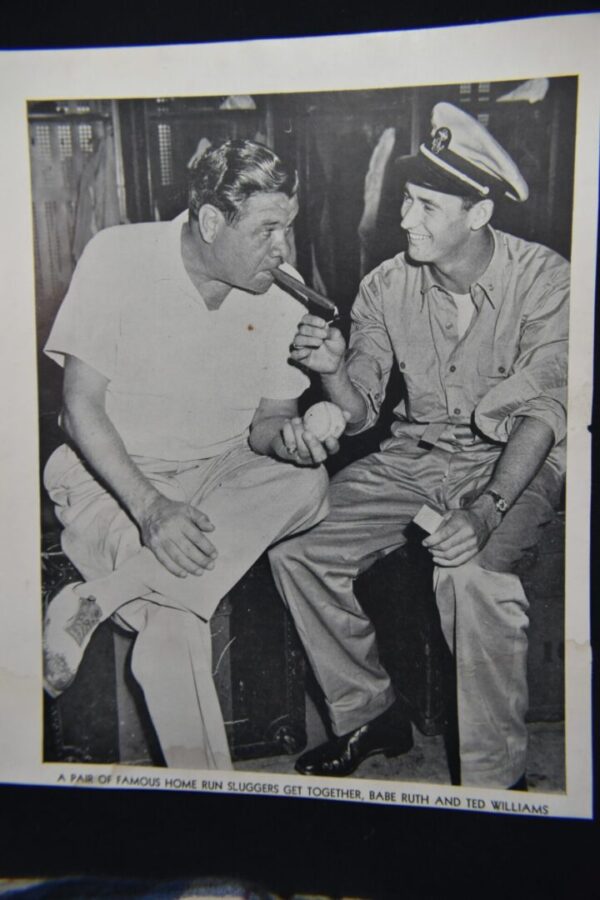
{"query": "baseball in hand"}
(325, 420)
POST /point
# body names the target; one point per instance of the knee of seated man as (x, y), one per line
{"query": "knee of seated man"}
(306, 486)
(487, 599)
(290, 551)
(498, 556)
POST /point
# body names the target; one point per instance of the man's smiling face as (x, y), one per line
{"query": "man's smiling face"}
(437, 225)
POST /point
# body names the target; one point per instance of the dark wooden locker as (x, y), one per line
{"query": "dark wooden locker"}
(259, 670)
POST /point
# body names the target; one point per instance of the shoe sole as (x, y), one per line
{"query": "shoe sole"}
(52, 692)
(87, 630)
(51, 689)
(388, 752)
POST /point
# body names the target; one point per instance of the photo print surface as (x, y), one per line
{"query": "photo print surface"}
(228, 602)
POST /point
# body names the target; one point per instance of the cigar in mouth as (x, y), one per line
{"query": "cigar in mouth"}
(282, 278)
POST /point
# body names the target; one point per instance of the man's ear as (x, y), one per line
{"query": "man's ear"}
(210, 222)
(480, 214)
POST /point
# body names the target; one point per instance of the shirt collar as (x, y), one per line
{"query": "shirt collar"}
(175, 226)
(490, 282)
(178, 272)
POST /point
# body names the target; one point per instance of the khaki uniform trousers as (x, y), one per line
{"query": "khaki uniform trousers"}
(482, 605)
(252, 501)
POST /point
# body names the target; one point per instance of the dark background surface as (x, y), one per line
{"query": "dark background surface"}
(69, 24)
(289, 846)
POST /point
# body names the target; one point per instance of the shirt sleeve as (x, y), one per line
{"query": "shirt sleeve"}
(370, 355)
(537, 387)
(87, 323)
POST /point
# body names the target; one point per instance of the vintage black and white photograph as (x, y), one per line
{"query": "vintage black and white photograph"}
(302, 405)
(169, 477)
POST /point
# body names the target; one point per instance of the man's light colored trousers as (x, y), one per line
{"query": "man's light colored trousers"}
(482, 605)
(252, 501)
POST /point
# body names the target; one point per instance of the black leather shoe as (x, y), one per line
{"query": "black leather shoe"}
(390, 734)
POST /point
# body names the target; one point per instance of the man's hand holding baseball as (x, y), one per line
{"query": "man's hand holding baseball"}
(300, 446)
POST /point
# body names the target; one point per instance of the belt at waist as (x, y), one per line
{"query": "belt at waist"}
(437, 434)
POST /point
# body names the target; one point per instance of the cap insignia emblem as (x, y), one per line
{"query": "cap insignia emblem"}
(440, 140)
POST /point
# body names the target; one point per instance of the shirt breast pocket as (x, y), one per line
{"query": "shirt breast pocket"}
(495, 363)
(421, 385)
(415, 358)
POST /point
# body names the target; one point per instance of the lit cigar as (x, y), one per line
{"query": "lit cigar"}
(299, 287)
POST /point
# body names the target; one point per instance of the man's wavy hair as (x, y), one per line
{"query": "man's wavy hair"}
(229, 174)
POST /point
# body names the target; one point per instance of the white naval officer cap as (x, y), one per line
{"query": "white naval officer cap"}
(463, 158)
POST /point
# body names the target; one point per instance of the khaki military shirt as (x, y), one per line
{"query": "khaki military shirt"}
(511, 362)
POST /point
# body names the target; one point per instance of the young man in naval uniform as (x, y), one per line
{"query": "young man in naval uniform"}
(185, 457)
(477, 322)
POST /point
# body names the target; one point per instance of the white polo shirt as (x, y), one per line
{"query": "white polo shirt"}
(184, 381)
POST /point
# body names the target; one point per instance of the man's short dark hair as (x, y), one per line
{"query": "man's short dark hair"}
(231, 173)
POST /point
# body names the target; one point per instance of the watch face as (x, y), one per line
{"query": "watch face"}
(499, 502)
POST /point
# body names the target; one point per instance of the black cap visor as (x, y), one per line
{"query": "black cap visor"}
(420, 171)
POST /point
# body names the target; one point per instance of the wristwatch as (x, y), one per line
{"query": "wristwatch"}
(499, 502)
